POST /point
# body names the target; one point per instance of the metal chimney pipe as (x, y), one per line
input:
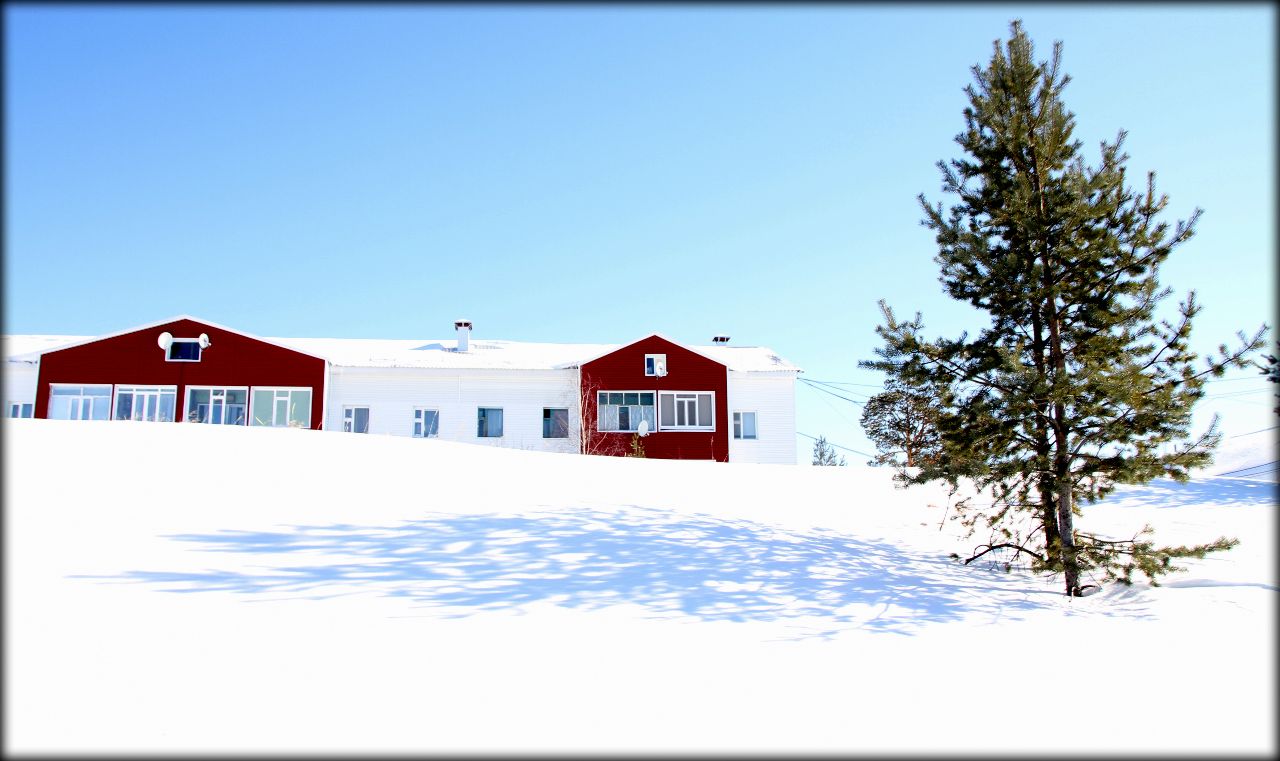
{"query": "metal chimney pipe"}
(463, 327)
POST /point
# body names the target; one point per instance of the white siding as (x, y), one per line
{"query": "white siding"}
(19, 383)
(391, 394)
(772, 396)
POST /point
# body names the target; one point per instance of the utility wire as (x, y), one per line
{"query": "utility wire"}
(832, 385)
(837, 446)
(1273, 464)
(1259, 376)
(825, 391)
(847, 383)
(839, 411)
(1250, 433)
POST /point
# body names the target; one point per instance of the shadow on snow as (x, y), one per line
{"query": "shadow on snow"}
(1164, 492)
(671, 564)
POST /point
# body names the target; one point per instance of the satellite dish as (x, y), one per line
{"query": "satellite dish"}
(660, 368)
(204, 340)
(643, 429)
(165, 340)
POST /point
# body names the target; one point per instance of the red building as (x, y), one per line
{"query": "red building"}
(677, 398)
(183, 369)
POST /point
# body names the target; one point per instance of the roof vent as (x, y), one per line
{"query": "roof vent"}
(464, 334)
(720, 340)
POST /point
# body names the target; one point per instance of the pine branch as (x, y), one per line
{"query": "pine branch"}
(1004, 545)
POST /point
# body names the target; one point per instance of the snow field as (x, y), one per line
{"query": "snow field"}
(203, 589)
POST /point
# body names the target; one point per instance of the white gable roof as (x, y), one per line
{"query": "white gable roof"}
(29, 348)
(438, 353)
(496, 355)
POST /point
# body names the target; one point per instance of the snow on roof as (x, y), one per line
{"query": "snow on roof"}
(443, 354)
(29, 348)
(491, 354)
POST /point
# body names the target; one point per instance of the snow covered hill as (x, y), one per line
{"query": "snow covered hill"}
(207, 589)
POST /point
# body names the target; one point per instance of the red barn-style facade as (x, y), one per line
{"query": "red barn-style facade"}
(676, 397)
(183, 370)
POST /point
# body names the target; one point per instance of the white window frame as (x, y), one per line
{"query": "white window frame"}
(600, 418)
(738, 420)
(349, 417)
(675, 400)
(420, 423)
(651, 369)
(16, 409)
(111, 397)
(135, 389)
(186, 402)
(168, 353)
(276, 392)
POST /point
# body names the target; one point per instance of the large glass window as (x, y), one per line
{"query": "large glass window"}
(68, 402)
(279, 407)
(489, 422)
(744, 425)
(355, 419)
(623, 410)
(555, 423)
(687, 410)
(155, 404)
(217, 405)
(19, 409)
(426, 423)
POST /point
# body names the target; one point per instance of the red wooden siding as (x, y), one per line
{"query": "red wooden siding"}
(135, 358)
(623, 370)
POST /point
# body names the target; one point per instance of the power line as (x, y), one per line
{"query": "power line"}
(846, 383)
(1245, 392)
(1259, 376)
(826, 391)
(839, 411)
(1250, 433)
(1271, 465)
(832, 385)
(837, 446)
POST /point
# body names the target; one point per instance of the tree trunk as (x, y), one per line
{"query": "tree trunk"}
(1062, 458)
(1065, 528)
(1048, 511)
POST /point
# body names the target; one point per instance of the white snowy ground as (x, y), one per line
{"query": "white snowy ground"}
(184, 588)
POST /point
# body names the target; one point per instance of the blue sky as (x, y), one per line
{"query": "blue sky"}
(587, 174)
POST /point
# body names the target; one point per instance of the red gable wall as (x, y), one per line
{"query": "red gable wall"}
(623, 370)
(136, 359)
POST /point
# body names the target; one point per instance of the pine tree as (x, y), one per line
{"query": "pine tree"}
(825, 454)
(903, 424)
(1272, 372)
(1076, 385)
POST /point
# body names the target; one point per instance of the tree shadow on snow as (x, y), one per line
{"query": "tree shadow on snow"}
(1164, 492)
(671, 564)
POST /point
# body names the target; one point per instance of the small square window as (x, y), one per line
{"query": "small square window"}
(655, 364)
(489, 422)
(744, 425)
(183, 350)
(555, 423)
(426, 423)
(355, 419)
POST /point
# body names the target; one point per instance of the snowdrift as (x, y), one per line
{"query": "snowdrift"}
(188, 588)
